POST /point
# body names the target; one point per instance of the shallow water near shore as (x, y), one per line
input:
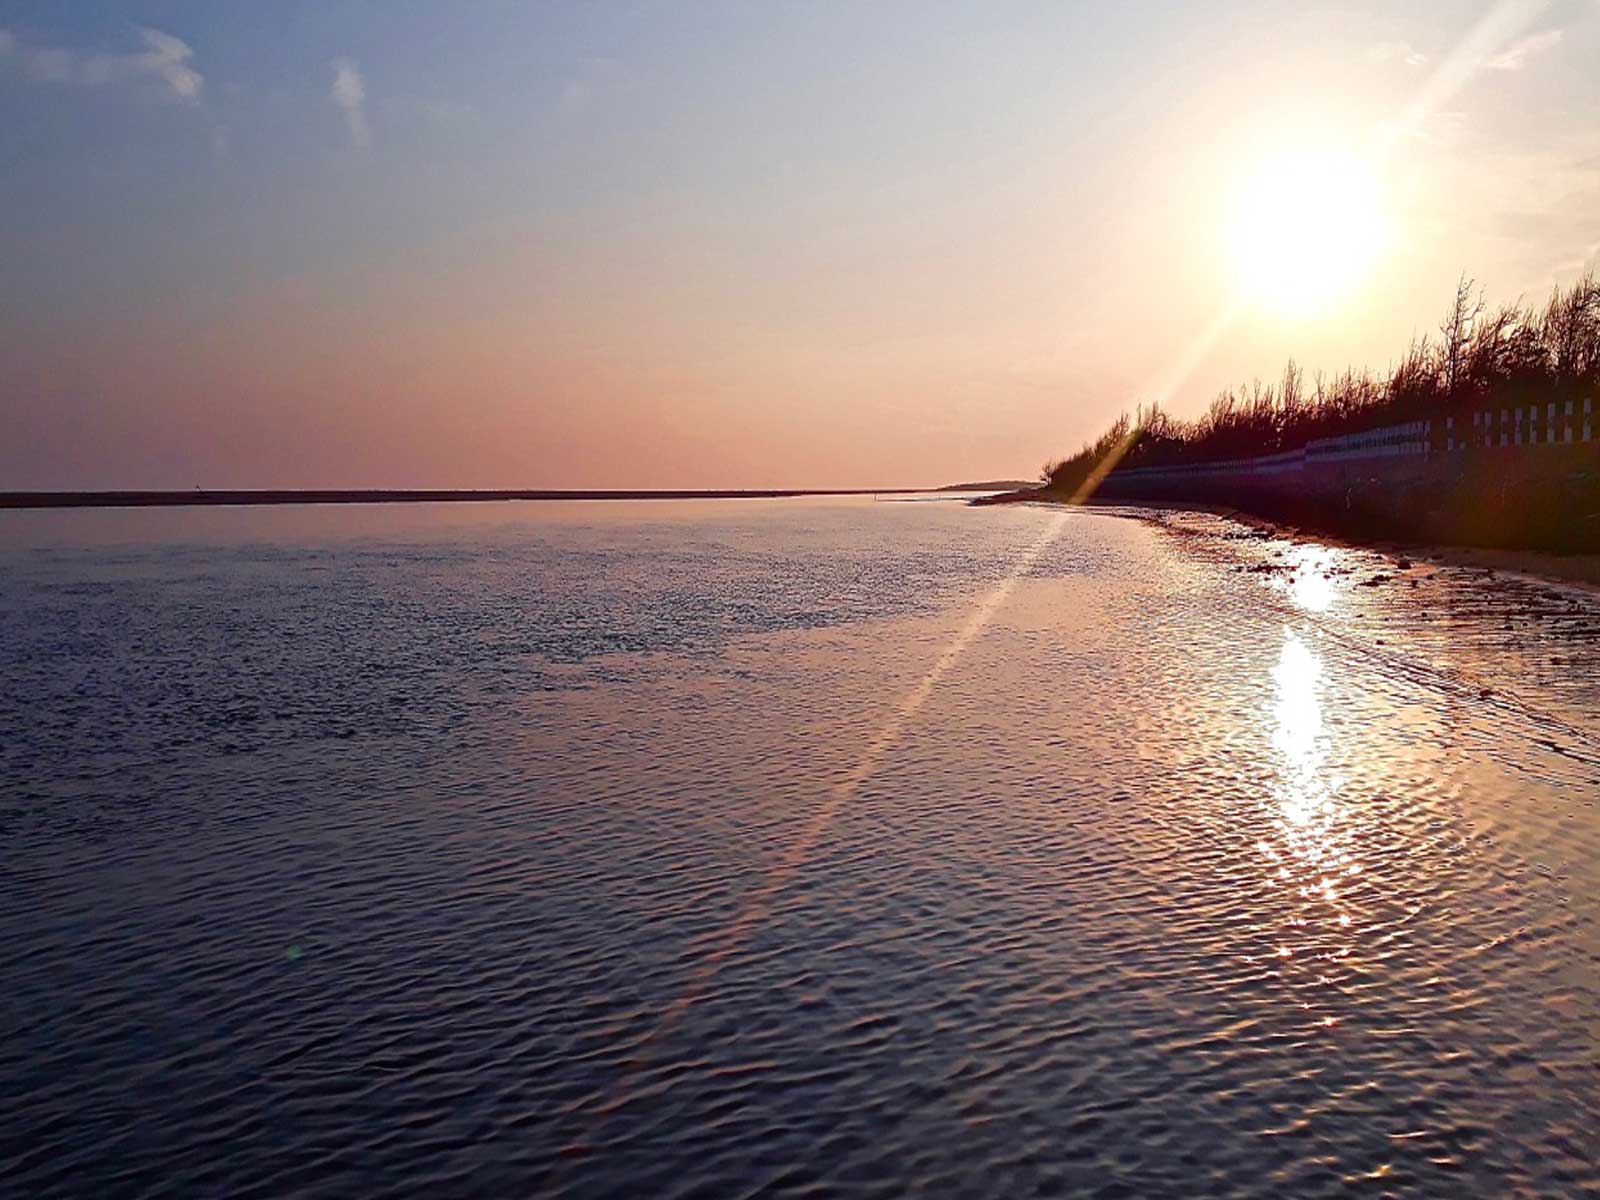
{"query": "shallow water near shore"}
(800, 847)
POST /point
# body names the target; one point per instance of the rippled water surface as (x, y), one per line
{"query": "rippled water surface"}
(787, 848)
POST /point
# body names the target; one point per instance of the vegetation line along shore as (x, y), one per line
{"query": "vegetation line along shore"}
(1481, 358)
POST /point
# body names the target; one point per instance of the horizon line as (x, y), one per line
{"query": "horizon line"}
(198, 497)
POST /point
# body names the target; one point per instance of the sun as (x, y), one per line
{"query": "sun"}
(1309, 227)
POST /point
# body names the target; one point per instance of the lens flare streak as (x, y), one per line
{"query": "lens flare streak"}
(756, 909)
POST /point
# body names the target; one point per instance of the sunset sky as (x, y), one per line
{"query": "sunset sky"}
(742, 245)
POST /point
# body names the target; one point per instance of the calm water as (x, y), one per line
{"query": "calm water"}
(786, 848)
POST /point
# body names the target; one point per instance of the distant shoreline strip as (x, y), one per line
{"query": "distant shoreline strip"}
(150, 499)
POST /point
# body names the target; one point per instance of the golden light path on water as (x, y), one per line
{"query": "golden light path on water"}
(753, 913)
(1311, 585)
(1310, 855)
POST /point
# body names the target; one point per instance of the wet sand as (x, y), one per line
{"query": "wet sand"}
(1582, 570)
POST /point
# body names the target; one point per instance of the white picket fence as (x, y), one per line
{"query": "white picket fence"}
(1533, 425)
(1392, 441)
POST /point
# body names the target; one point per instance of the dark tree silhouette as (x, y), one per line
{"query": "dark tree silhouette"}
(1510, 357)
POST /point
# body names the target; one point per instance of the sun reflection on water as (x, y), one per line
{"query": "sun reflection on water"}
(1298, 733)
(1310, 577)
(1308, 853)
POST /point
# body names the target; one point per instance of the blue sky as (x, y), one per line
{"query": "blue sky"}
(511, 244)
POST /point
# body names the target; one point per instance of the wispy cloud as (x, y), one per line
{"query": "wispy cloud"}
(1404, 52)
(350, 94)
(1499, 41)
(1511, 57)
(1515, 56)
(164, 59)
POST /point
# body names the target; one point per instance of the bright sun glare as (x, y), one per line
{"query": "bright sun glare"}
(1308, 228)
